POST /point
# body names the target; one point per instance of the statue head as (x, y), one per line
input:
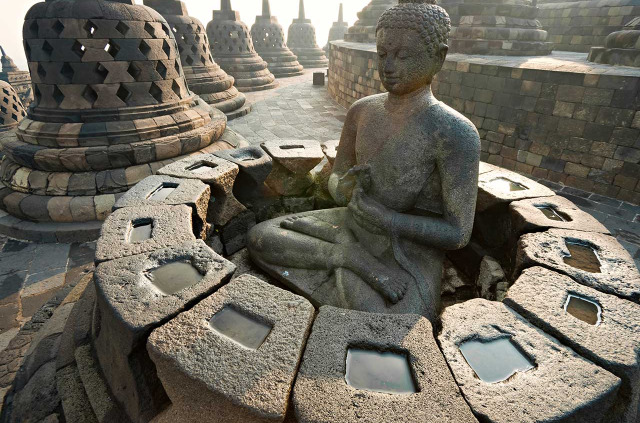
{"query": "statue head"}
(412, 44)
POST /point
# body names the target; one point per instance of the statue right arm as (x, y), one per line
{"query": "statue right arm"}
(340, 184)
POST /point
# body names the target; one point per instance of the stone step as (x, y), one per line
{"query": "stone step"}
(75, 402)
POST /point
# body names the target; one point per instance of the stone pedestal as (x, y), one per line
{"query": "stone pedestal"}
(111, 103)
(499, 28)
(11, 109)
(337, 31)
(268, 39)
(621, 47)
(204, 76)
(292, 164)
(364, 30)
(20, 80)
(302, 41)
(232, 48)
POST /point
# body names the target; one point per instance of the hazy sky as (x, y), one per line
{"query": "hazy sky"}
(321, 12)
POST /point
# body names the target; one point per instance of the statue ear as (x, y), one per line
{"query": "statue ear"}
(442, 51)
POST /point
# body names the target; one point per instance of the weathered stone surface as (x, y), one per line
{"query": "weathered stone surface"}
(171, 226)
(130, 307)
(209, 374)
(620, 47)
(526, 216)
(322, 395)
(220, 175)
(298, 156)
(562, 387)
(491, 274)
(255, 166)
(494, 190)
(540, 295)
(618, 273)
(38, 398)
(330, 150)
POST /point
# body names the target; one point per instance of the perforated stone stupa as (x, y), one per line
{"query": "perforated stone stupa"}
(621, 47)
(364, 30)
(499, 28)
(111, 108)
(268, 39)
(302, 41)
(232, 48)
(11, 109)
(204, 76)
(338, 30)
(19, 80)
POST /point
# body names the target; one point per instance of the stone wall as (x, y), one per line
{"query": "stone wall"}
(580, 25)
(559, 118)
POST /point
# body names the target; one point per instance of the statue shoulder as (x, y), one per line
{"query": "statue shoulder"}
(456, 128)
(365, 104)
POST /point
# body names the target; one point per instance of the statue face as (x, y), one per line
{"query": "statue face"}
(404, 62)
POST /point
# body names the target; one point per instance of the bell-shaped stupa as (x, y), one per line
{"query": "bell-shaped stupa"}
(499, 28)
(11, 109)
(621, 47)
(18, 79)
(268, 39)
(302, 41)
(338, 30)
(232, 48)
(111, 108)
(204, 76)
(364, 30)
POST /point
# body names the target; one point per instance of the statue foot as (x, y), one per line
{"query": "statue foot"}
(314, 227)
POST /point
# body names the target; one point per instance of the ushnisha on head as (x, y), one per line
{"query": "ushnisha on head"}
(412, 44)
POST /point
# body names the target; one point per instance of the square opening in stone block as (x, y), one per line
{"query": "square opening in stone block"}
(292, 147)
(582, 256)
(140, 230)
(553, 213)
(202, 167)
(162, 192)
(496, 360)
(246, 156)
(506, 185)
(583, 309)
(173, 277)
(240, 327)
(388, 372)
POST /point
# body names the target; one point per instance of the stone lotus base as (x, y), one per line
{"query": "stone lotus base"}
(133, 351)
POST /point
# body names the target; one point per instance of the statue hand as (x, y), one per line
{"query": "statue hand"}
(370, 214)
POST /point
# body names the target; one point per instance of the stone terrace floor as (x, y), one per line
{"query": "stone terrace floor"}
(31, 274)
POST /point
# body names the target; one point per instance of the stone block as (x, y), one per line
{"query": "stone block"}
(501, 187)
(555, 384)
(123, 233)
(214, 369)
(318, 78)
(297, 156)
(134, 296)
(598, 260)
(220, 175)
(543, 297)
(166, 190)
(254, 164)
(322, 393)
(538, 214)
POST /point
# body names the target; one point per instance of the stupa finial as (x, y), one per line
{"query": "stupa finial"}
(225, 5)
(340, 15)
(301, 14)
(266, 9)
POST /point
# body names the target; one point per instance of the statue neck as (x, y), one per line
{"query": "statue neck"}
(422, 95)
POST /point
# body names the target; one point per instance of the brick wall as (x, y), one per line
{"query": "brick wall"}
(559, 118)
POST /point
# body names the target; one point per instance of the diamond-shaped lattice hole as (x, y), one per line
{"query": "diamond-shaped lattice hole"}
(150, 29)
(37, 94)
(102, 71)
(14, 116)
(122, 28)
(34, 28)
(176, 89)
(161, 69)
(58, 27)
(4, 109)
(6, 100)
(180, 49)
(189, 60)
(178, 67)
(144, 47)
(123, 93)
(78, 48)
(203, 60)
(1, 121)
(194, 49)
(15, 106)
(156, 92)
(166, 30)
(6, 91)
(27, 50)
(197, 38)
(91, 28)
(41, 72)
(166, 48)
(47, 48)
(134, 71)
(90, 95)
(67, 72)
(57, 95)
(112, 48)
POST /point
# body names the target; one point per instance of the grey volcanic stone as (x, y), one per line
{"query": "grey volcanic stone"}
(220, 175)
(38, 398)
(298, 156)
(618, 273)
(172, 226)
(191, 192)
(540, 296)
(322, 395)
(562, 387)
(255, 165)
(208, 374)
(490, 195)
(486, 168)
(527, 217)
(130, 307)
(490, 275)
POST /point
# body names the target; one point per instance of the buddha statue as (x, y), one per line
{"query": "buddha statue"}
(405, 178)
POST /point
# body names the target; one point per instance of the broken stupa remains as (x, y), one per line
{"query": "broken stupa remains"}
(302, 41)
(232, 48)
(204, 77)
(621, 47)
(268, 39)
(19, 80)
(111, 108)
